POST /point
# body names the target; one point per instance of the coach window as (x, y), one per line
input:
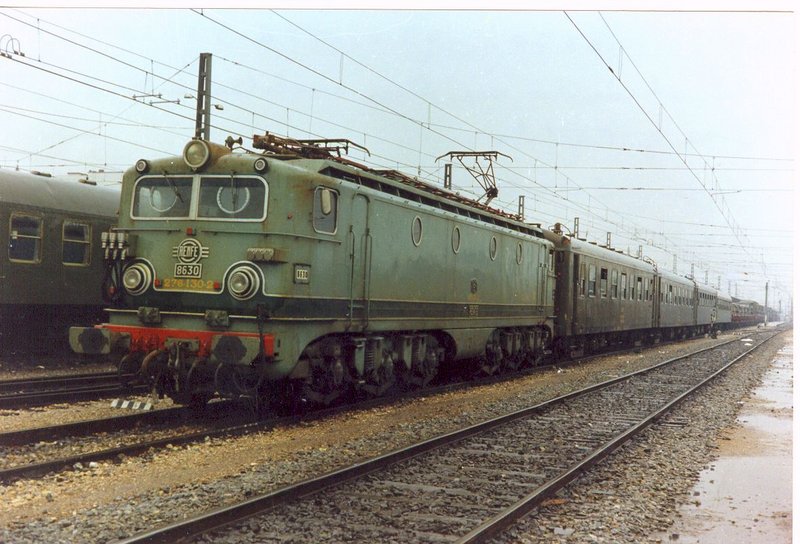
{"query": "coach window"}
(604, 282)
(582, 280)
(614, 283)
(639, 287)
(25, 240)
(623, 281)
(76, 243)
(669, 295)
(592, 280)
(650, 289)
(326, 210)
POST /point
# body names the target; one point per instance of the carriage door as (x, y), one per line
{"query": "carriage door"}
(656, 302)
(575, 289)
(360, 252)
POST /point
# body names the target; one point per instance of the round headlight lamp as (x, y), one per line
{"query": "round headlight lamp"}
(142, 166)
(196, 154)
(260, 165)
(136, 278)
(243, 283)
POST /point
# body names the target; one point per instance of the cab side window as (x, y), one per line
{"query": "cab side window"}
(25, 238)
(592, 280)
(326, 202)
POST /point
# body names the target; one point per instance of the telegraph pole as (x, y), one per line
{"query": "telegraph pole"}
(766, 300)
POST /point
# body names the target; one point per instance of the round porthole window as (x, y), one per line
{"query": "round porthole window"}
(493, 248)
(416, 231)
(456, 240)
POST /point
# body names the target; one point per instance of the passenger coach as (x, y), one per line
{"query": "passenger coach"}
(51, 262)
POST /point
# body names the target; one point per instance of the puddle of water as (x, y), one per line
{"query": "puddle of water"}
(746, 495)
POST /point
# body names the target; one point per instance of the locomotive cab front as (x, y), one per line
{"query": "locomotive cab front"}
(188, 266)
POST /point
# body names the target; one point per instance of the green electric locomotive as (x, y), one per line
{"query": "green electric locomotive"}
(295, 273)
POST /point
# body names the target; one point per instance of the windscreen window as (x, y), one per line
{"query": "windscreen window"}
(232, 198)
(162, 197)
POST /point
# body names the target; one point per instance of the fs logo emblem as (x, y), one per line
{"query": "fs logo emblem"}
(189, 252)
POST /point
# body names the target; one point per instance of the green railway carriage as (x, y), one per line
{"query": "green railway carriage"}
(605, 298)
(677, 301)
(723, 317)
(602, 298)
(51, 261)
(295, 273)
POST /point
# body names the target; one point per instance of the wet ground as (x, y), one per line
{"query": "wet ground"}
(745, 495)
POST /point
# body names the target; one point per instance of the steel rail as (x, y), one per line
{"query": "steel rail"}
(92, 426)
(229, 515)
(53, 389)
(26, 384)
(508, 517)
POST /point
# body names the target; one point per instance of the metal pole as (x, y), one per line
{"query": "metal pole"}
(202, 125)
(766, 300)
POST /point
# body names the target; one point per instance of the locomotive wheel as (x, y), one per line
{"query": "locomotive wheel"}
(380, 379)
(492, 362)
(281, 398)
(236, 381)
(329, 380)
(512, 363)
(198, 386)
(425, 370)
(153, 369)
(128, 368)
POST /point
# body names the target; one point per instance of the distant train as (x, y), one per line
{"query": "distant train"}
(51, 262)
(296, 274)
(747, 313)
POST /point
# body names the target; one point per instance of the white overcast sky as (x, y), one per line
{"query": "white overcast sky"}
(716, 156)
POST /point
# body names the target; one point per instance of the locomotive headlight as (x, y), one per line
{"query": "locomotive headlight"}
(260, 165)
(243, 282)
(142, 166)
(136, 278)
(196, 154)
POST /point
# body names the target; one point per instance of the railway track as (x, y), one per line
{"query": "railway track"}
(68, 388)
(217, 414)
(471, 484)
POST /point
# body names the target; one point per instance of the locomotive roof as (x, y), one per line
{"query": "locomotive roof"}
(58, 194)
(329, 153)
